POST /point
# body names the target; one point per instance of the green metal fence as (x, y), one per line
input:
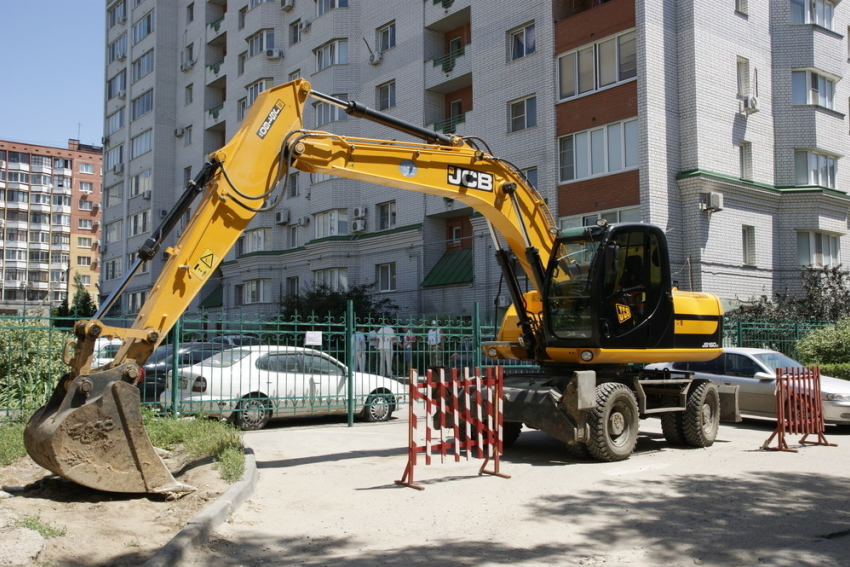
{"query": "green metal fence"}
(782, 337)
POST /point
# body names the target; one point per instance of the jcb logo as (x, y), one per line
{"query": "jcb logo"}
(470, 178)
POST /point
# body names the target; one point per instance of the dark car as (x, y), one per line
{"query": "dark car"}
(161, 361)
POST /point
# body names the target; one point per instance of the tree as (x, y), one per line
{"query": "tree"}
(323, 300)
(83, 306)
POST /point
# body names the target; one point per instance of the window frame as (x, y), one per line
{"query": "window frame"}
(386, 93)
(526, 113)
(385, 214)
(514, 41)
(827, 240)
(815, 176)
(335, 54)
(385, 277)
(625, 151)
(593, 60)
(386, 37)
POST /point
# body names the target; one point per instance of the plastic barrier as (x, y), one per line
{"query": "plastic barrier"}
(799, 408)
(467, 409)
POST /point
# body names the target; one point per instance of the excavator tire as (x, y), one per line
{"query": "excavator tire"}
(578, 450)
(672, 425)
(510, 432)
(702, 416)
(613, 423)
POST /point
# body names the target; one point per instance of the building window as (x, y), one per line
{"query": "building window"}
(292, 285)
(86, 205)
(456, 234)
(626, 214)
(386, 215)
(140, 223)
(385, 276)
(745, 151)
(187, 175)
(117, 50)
(334, 278)
(114, 157)
(293, 236)
(261, 41)
(814, 168)
(187, 136)
(84, 260)
(743, 77)
(257, 291)
(331, 223)
(83, 242)
(135, 300)
(292, 185)
(748, 243)
(741, 6)
(295, 75)
(256, 240)
(295, 32)
(818, 249)
(241, 18)
(140, 182)
(386, 95)
(593, 67)
(84, 224)
(323, 6)
(523, 114)
(522, 42)
(531, 176)
(141, 144)
(86, 168)
(254, 91)
(240, 63)
(817, 12)
(254, 3)
(117, 14)
(113, 195)
(117, 85)
(326, 112)
(141, 105)
(142, 66)
(190, 13)
(115, 122)
(809, 87)
(599, 151)
(112, 269)
(334, 53)
(241, 109)
(238, 295)
(386, 37)
(143, 28)
(86, 187)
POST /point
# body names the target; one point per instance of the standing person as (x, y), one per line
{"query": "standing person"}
(359, 342)
(409, 346)
(373, 350)
(435, 344)
(386, 341)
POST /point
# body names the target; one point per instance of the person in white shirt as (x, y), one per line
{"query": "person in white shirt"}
(409, 345)
(386, 341)
(359, 342)
(435, 344)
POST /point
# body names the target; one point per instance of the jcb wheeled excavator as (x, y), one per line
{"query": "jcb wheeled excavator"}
(602, 298)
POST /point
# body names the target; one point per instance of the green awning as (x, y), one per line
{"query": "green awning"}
(455, 267)
(214, 299)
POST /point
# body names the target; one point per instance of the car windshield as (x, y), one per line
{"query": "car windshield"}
(775, 360)
(226, 358)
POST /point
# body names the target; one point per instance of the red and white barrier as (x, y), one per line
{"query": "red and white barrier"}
(455, 414)
(799, 408)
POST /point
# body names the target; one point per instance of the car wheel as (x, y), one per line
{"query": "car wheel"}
(613, 423)
(510, 432)
(379, 407)
(672, 425)
(702, 416)
(253, 413)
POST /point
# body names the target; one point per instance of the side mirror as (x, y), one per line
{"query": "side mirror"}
(763, 376)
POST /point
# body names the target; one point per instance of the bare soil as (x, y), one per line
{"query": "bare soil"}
(102, 528)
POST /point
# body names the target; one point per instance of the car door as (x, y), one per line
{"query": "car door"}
(283, 375)
(327, 383)
(755, 396)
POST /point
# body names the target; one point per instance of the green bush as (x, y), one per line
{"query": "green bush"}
(11, 443)
(30, 363)
(829, 345)
(836, 370)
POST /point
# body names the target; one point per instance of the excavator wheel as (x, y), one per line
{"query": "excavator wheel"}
(91, 432)
(702, 416)
(613, 423)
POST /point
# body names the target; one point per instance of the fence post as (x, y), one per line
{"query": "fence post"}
(476, 336)
(739, 340)
(349, 358)
(176, 331)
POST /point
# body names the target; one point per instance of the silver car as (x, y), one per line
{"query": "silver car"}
(753, 370)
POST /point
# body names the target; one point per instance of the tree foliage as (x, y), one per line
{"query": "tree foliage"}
(31, 363)
(323, 300)
(83, 306)
(829, 345)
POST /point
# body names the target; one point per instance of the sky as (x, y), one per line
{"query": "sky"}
(51, 71)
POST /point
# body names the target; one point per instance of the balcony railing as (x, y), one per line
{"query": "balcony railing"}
(213, 112)
(449, 125)
(448, 60)
(445, 3)
(216, 25)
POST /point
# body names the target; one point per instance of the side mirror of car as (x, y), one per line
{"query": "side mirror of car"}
(763, 376)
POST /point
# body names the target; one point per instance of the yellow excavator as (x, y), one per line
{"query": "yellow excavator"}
(602, 299)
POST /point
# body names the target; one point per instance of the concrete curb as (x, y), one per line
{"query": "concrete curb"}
(199, 528)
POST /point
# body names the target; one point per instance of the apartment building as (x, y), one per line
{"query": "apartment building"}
(721, 122)
(49, 224)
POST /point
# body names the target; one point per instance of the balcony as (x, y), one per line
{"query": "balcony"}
(215, 30)
(449, 125)
(445, 15)
(215, 74)
(214, 118)
(450, 72)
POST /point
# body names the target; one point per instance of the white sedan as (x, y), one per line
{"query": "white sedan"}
(250, 385)
(753, 370)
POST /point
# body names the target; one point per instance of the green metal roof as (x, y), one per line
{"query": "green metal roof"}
(455, 267)
(214, 299)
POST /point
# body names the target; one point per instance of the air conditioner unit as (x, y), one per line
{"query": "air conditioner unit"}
(282, 217)
(304, 221)
(179, 132)
(105, 140)
(103, 249)
(503, 301)
(187, 66)
(96, 223)
(750, 104)
(2, 222)
(121, 57)
(359, 212)
(712, 202)
(122, 94)
(95, 205)
(358, 226)
(287, 4)
(304, 26)
(146, 195)
(163, 213)
(96, 242)
(375, 58)
(274, 53)
(118, 168)
(122, 20)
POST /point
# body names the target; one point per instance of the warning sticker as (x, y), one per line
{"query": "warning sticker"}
(623, 313)
(202, 268)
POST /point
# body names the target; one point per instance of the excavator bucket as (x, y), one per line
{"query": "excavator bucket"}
(91, 432)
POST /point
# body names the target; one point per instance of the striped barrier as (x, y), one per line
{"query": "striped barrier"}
(455, 414)
(799, 408)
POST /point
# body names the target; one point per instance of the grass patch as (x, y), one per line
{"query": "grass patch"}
(201, 438)
(11, 443)
(35, 523)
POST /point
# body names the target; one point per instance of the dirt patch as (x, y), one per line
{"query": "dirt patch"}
(103, 528)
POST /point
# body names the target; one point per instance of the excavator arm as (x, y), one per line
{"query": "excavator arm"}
(91, 430)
